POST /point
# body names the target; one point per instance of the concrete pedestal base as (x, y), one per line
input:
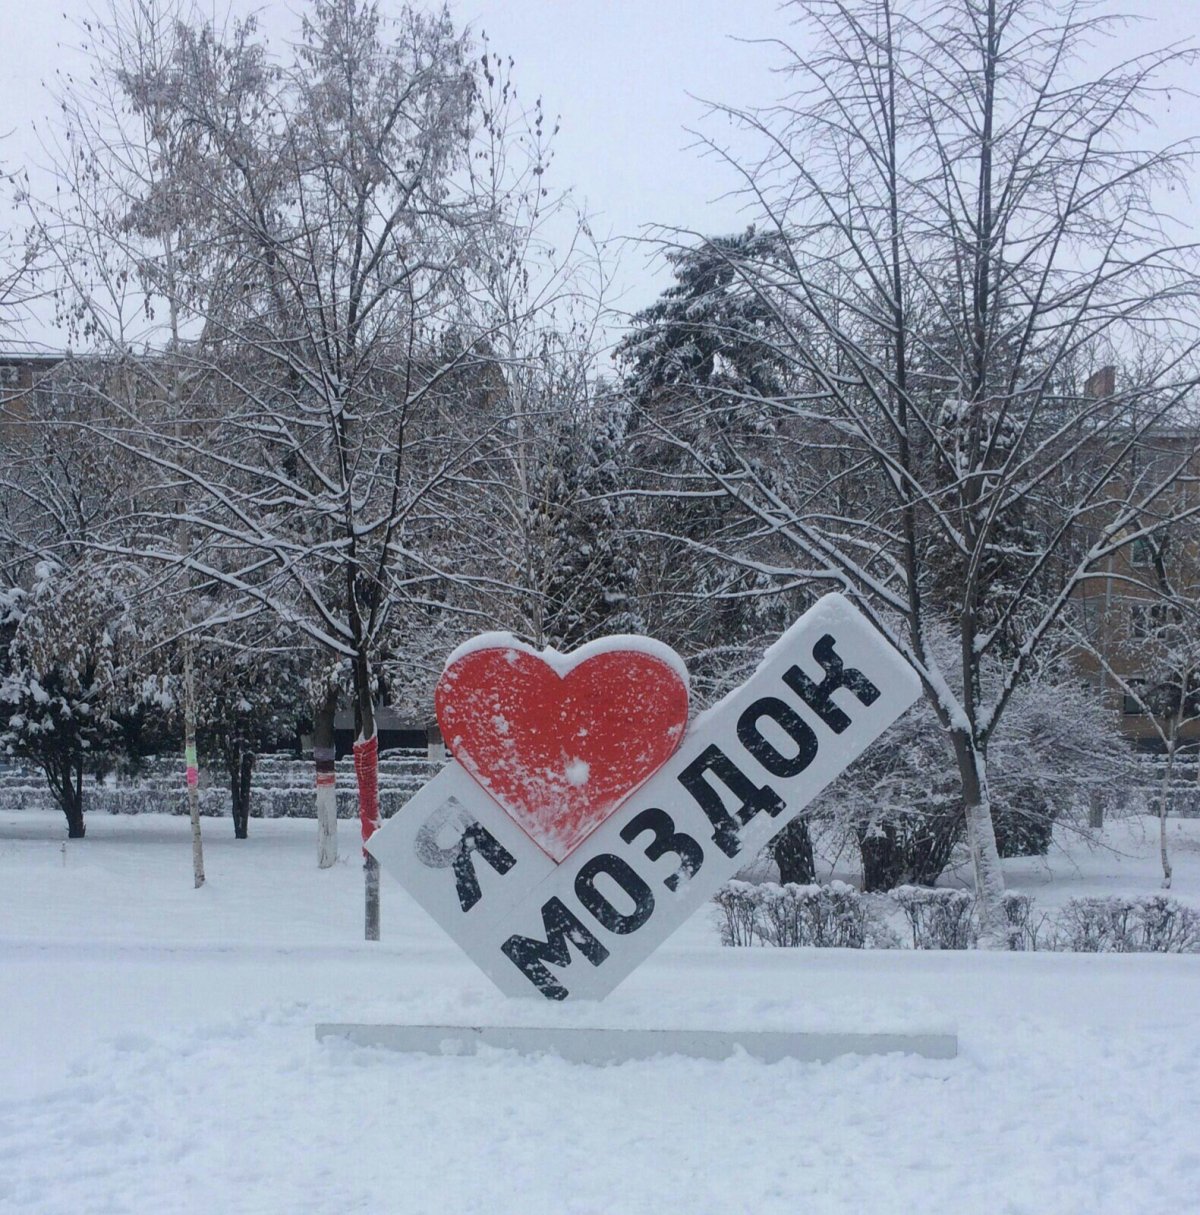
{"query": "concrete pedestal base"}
(588, 1045)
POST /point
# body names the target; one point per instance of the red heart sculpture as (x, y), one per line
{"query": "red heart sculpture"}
(560, 741)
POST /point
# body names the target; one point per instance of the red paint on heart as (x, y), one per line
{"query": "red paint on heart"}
(558, 751)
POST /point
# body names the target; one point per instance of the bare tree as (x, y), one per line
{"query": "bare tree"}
(21, 286)
(965, 225)
(123, 243)
(329, 314)
(70, 620)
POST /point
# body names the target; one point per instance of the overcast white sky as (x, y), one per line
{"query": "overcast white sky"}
(619, 72)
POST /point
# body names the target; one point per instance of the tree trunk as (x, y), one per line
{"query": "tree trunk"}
(981, 839)
(370, 898)
(366, 772)
(1095, 810)
(193, 766)
(793, 853)
(883, 863)
(1164, 800)
(909, 849)
(64, 775)
(324, 754)
(241, 769)
(73, 801)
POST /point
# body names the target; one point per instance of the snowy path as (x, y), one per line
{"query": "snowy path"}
(157, 1056)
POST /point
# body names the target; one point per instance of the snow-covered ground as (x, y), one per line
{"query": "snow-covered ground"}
(157, 1055)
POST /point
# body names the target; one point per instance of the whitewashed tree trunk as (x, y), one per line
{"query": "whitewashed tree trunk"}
(981, 840)
(371, 898)
(1164, 801)
(324, 753)
(366, 773)
(327, 845)
(193, 769)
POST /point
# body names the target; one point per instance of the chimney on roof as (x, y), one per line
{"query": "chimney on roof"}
(1101, 384)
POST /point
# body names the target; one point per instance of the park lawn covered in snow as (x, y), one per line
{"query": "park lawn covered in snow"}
(157, 1054)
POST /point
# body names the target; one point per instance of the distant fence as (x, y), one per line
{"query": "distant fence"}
(283, 787)
(1184, 791)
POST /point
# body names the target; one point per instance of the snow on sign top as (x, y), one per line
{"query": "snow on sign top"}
(563, 663)
(607, 820)
(560, 740)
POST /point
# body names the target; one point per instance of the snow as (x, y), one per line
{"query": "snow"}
(563, 663)
(158, 1054)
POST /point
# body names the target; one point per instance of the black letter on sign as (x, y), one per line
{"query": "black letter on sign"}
(473, 837)
(817, 696)
(606, 914)
(666, 839)
(752, 797)
(764, 750)
(561, 928)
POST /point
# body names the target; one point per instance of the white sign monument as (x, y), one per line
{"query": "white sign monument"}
(579, 925)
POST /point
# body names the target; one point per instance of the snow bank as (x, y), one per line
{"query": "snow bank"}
(158, 1055)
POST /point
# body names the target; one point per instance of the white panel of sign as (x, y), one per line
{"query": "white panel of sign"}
(823, 693)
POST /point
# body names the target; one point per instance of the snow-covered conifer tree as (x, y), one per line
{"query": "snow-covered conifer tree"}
(70, 634)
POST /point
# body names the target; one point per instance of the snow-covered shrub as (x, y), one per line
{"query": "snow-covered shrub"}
(1028, 930)
(1024, 824)
(1111, 924)
(901, 803)
(1167, 925)
(1021, 929)
(939, 919)
(835, 916)
(738, 919)
(832, 916)
(1096, 925)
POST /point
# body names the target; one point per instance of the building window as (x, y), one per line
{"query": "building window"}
(1130, 705)
(1086, 614)
(10, 376)
(1141, 552)
(1150, 620)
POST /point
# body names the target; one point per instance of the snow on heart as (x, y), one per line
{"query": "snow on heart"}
(560, 740)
